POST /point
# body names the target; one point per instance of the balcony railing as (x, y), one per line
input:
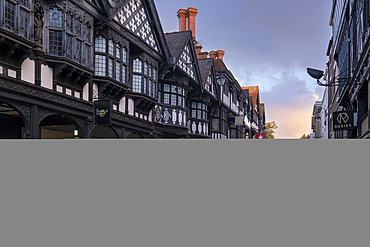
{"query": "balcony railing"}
(199, 127)
(170, 116)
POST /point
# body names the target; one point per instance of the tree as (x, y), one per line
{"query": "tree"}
(271, 126)
(305, 136)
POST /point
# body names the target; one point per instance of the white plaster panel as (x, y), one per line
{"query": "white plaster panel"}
(95, 90)
(46, 76)
(122, 105)
(85, 92)
(28, 71)
(12, 73)
(68, 91)
(1, 69)
(77, 94)
(60, 89)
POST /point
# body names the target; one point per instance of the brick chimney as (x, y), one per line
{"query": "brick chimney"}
(192, 13)
(220, 54)
(187, 19)
(213, 54)
(183, 16)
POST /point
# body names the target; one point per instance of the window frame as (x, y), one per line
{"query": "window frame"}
(68, 28)
(109, 49)
(17, 19)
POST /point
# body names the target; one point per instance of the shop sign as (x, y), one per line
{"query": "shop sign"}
(239, 120)
(103, 112)
(343, 120)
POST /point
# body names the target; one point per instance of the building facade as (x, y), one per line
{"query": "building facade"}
(59, 57)
(348, 66)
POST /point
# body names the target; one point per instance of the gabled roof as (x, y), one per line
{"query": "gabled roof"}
(176, 42)
(180, 43)
(140, 18)
(205, 67)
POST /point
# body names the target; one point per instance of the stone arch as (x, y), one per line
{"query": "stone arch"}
(15, 120)
(58, 126)
(103, 132)
(134, 135)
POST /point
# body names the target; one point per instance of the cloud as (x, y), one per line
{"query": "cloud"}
(289, 104)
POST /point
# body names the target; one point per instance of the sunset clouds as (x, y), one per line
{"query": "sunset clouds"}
(268, 44)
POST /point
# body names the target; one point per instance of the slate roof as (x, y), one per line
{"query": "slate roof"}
(205, 66)
(176, 42)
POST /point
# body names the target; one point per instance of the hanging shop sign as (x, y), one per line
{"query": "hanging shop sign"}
(103, 112)
(343, 120)
(239, 120)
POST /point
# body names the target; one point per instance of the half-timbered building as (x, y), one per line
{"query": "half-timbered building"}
(60, 58)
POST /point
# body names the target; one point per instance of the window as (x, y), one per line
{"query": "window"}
(23, 25)
(55, 18)
(100, 65)
(144, 69)
(69, 46)
(198, 110)
(66, 39)
(55, 43)
(9, 15)
(16, 17)
(110, 53)
(172, 94)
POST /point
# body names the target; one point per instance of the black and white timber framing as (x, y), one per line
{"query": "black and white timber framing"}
(59, 56)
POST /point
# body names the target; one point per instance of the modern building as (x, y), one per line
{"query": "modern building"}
(59, 60)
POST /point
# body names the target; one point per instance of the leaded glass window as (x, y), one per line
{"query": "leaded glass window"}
(55, 42)
(78, 51)
(118, 71)
(87, 54)
(110, 67)
(9, 15)
(100, 65)
(110, 47)
(55, 18)
(24, 18)
(198, 110)
(69, 46)
(137, 65)
(100, 44)
(78, 28)
(69, 25)
(67, 40)
(136, 83)
(16, 17)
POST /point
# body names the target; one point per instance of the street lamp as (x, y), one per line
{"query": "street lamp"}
(317, 74)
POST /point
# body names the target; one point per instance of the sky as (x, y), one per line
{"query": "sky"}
(267, 43)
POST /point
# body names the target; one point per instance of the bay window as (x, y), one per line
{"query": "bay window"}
(110, 59)
(144, 78)
(172, 95)
(69, 37)
(16, 17)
